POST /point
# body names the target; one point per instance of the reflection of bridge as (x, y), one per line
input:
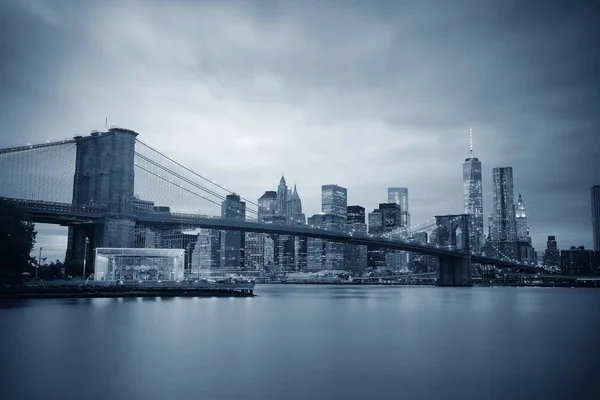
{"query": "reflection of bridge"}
(98, 203)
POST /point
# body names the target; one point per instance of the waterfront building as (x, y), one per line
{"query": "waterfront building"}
(579, 261)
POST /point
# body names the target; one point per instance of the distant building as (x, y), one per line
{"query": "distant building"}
(145, 238)
(595, 200)
(282, 198)
(579, 261)
(355, 214)
(294, 208)
(267, 205)
(325, 254)
(392, 217)
(521, 216)
(376, 223)
(207, 251)
(473, 198)
(504, 205)
(176, 239)
(355, 256)
(400, 197)
(552, 255)
(142, 206)
(420, 237)
(334, 200)
(232, 242)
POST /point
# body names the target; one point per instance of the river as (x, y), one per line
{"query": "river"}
(307, 342)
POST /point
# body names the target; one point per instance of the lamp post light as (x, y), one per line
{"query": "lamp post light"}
(85, 255)
(38, 263)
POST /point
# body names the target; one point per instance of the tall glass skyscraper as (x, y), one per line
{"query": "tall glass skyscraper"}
(400, 196)
(595, 197)
(505, 224)
(473, 198)
(334, 200)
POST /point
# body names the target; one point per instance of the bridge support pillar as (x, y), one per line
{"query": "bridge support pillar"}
(117, 232)
(454, 271)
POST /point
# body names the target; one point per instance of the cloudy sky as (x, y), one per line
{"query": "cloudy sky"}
(365, 94)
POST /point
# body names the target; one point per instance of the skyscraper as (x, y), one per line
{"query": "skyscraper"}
(505, 228)
(400, 196)
(356, 215)
(232, 256)
(473, 197)
(267, 205)
(552, 255)
(521, 216)
(334, 200)
(282, 198)
(595, 197)
(295, 214)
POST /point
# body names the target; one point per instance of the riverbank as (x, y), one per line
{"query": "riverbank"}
(74, 291)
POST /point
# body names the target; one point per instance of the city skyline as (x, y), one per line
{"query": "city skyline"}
(345, 116)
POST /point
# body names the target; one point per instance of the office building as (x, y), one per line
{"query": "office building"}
(282, 198)
(267, 205)
(580, 262)
(552, 255)
(505, 228)
(521, 217)
(473, 198)
(400, 196)
(334, 200)
(232, 242)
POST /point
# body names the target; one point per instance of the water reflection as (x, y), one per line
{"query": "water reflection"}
(302, 341)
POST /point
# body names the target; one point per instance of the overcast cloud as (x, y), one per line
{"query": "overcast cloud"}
(365, 94)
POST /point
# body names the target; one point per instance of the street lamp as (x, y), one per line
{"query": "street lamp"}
(85, 255)
(39, 261)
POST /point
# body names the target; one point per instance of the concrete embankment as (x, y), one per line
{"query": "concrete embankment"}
(115, 291)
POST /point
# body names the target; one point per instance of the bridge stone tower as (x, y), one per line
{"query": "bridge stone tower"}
(453, 233)
(104, 179)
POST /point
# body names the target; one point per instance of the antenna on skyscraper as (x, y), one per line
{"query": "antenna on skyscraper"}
(106, 123)
(471, 141)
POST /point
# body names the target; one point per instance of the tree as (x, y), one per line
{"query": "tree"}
(17, 237)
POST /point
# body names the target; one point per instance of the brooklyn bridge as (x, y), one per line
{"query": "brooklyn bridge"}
(93, 185)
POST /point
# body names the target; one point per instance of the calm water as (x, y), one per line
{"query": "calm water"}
(308, 342)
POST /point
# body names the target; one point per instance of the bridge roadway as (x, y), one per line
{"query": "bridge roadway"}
(65, 214)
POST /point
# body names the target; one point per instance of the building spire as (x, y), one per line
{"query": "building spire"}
(471, 141)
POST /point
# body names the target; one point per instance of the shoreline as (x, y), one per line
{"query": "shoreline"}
(92, 291)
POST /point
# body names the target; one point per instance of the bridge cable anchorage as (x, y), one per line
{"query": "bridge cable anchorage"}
(186, 180)
(196, 174)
